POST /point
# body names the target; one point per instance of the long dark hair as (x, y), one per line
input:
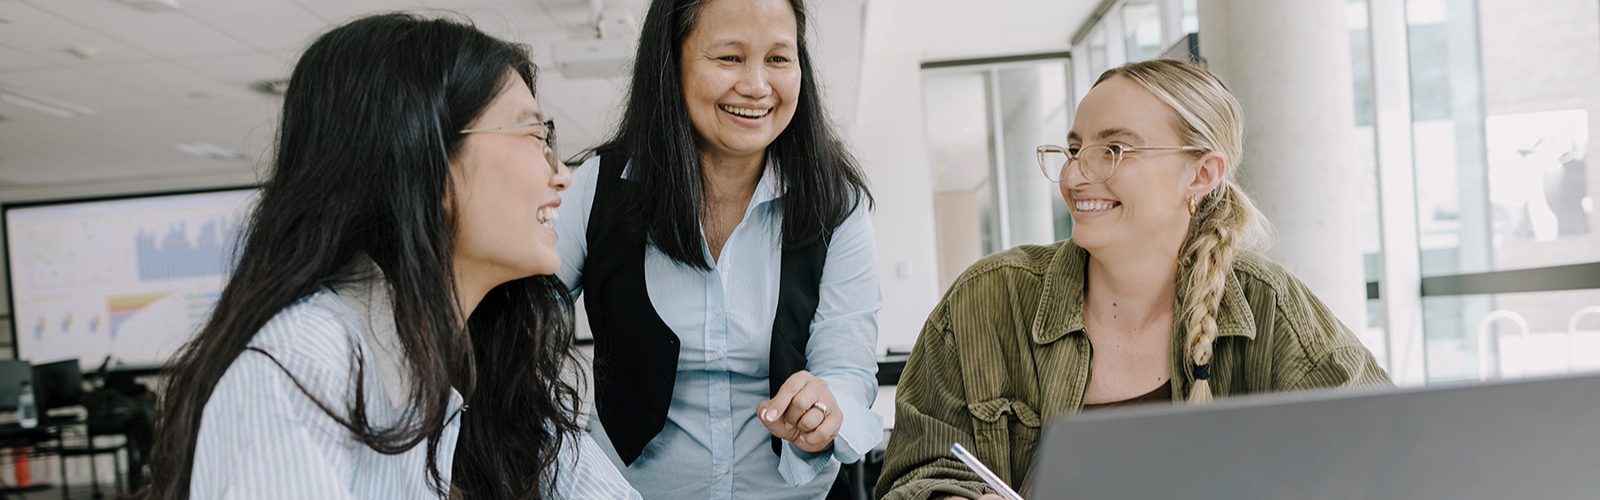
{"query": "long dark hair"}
(822, 182)
(362, 168)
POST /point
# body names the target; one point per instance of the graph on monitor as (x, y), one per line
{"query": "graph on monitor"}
(132, 278)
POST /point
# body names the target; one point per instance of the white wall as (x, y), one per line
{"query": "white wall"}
(835, 42)
(888, 139)
(958, 29)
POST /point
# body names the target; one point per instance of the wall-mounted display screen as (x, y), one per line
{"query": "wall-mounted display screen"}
(133, 278)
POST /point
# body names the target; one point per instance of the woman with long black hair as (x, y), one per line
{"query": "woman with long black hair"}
(723, 244)
(395, 273)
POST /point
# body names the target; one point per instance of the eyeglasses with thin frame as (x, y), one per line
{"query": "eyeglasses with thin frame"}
(549, 137)
(1097, 163)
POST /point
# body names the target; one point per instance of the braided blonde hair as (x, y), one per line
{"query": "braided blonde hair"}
(1225, 221)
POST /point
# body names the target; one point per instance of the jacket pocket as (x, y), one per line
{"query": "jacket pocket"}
(1006, 432)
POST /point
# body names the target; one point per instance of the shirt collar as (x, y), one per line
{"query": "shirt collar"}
(368, 297)
(1060, 309)
(769, 188)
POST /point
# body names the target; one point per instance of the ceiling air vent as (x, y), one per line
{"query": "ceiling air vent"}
(270, 87)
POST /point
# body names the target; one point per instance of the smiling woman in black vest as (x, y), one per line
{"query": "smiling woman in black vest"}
(722, 242)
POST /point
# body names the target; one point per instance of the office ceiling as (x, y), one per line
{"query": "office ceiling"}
(172, 99)
(163, 82)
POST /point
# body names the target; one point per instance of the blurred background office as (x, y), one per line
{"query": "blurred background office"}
(1426, 163)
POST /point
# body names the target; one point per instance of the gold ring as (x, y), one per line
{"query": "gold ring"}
(820, 406)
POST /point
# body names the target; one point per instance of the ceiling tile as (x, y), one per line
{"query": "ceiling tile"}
(75, 87)
(167, 83)
(517, 21)
(12, 59)
(143, 96)
(244, 68)
(340, 11)
(116, 145)
(164, 34)
(47, 36)
(265, 24)
(250, 125)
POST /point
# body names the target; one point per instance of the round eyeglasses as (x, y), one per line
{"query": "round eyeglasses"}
(1097, 163)
(549, 138)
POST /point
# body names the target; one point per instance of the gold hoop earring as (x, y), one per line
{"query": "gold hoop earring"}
(1194, 204)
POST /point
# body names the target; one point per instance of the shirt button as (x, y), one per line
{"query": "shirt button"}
(723, 470)
(717, 354)
(717, 310)
(722, 426)
(721, 386)
(726, 266)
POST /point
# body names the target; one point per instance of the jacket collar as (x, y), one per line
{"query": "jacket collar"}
(1060, 309)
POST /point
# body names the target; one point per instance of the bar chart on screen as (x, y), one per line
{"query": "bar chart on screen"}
(132, 278)
(172, 254)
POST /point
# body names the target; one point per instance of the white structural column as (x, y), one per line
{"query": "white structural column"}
(1401, 285)
(1289, 64)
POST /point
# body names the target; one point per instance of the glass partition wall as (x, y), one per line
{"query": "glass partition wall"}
(983, 121)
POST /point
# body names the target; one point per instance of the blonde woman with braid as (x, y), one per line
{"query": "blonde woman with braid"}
(1162, 295)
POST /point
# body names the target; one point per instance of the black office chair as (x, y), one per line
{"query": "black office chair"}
(856, 481)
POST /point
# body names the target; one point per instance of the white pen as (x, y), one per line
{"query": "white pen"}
(984, 472)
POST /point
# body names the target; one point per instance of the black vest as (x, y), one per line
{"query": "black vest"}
(635, 353)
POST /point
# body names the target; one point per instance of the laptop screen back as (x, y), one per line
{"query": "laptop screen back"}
(1504, 440)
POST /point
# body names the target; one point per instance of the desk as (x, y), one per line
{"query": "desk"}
(13, 435)
(56, 430)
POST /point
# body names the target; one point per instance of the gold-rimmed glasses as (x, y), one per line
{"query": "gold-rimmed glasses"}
(1097, 163)
(549, 137)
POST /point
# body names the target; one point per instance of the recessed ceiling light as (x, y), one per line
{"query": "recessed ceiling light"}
(43, 104)
(153, 5)
(212, 151)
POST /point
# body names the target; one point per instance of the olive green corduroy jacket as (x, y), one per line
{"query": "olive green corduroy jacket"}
(1005, 352)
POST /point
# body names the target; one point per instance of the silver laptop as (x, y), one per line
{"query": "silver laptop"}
(1521, 440)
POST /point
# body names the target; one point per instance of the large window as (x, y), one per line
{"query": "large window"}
(1141, 29)
(1494, 152)
(1501, 96)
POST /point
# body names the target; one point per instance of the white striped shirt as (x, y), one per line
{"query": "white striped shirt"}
(261, 437)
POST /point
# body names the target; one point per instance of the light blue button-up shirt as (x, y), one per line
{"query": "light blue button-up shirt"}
(712, 445)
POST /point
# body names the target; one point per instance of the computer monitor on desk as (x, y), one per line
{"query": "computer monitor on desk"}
(1502, 440)
(13, 374)
(58, 384)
